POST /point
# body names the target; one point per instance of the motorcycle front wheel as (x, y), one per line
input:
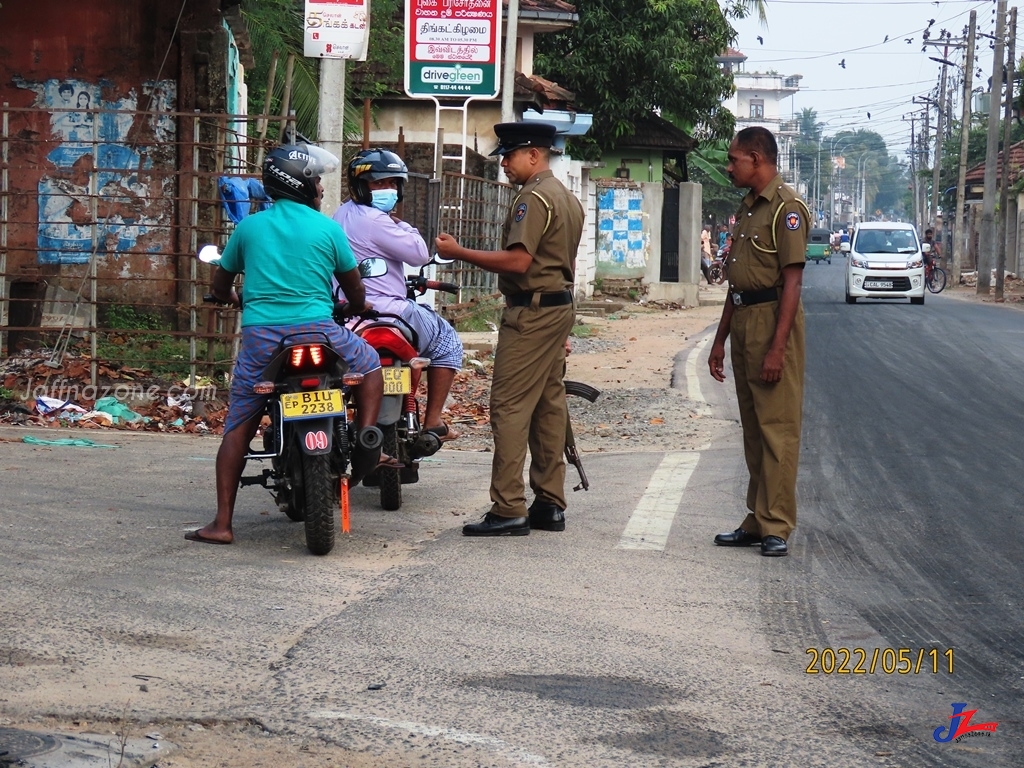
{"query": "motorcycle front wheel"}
(389, 479)
(318, 492)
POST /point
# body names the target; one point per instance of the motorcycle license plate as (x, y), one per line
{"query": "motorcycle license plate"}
(311, 405)
(878, 284)
(397, 381)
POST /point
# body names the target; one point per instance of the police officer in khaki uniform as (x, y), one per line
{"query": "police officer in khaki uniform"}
(537, 271)
(765, 319)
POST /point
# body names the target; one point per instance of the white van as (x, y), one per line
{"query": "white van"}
(885, 262)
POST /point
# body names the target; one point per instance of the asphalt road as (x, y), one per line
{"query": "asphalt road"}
(628, 640)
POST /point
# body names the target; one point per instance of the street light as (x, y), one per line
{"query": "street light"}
(834, 177)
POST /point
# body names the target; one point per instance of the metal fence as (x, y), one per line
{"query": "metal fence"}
(102, 211)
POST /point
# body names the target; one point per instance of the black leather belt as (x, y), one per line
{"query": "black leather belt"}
(749, 298)
(546, 299)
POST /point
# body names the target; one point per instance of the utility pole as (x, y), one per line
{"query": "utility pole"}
(913, 166)
(925, 141)
(988, 208)
(937, 163)
(332, 127)
(508, 80)
(1004, 186)
(960, 221)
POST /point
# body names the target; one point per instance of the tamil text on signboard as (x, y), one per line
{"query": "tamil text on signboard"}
(452, 47)
(337, 29)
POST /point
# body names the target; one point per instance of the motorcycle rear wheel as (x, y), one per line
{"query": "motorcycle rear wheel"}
(318, 492)
(389, 479)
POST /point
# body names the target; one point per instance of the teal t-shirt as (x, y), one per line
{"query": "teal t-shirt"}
(288, 254)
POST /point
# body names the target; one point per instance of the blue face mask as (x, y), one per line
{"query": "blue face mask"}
(385, 199)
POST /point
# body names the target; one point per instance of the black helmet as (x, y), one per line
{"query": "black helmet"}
(291, 170)
(374, 165)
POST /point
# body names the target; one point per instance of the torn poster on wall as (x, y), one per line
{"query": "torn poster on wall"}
(94, 158)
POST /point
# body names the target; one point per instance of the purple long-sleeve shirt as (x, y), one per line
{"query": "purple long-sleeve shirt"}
(373, 233)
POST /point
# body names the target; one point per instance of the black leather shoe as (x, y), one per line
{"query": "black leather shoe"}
(546, 516)
(496, 525)
(738, 538)
(774, 546)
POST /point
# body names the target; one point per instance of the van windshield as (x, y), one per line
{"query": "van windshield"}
(886, 241)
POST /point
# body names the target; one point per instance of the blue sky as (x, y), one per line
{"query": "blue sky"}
(881, 77)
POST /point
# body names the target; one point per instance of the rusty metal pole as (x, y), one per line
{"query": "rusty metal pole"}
(4, 214)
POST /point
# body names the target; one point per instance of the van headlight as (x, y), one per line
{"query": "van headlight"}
(915, 263)
(858, 261)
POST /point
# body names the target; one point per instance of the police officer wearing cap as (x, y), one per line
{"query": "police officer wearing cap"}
(765, 319)
(537, 269)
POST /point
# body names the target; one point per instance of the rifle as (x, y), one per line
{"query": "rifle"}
(590, 394)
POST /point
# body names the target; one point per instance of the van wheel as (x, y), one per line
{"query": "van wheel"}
(851, 299)
(917, 299)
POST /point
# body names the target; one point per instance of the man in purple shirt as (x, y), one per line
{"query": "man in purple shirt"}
(376, 178)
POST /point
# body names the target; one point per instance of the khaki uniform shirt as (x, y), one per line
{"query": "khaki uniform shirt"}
(547, 220)
(770, 233)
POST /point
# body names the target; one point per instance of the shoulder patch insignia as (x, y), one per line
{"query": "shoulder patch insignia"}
(793, 221)
(520, 212)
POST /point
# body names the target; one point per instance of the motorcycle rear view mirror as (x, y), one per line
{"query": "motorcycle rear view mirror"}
(373, 267)
(209, 254)
(435, 259)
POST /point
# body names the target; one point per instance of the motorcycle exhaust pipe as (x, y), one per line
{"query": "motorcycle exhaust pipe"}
(370, 438)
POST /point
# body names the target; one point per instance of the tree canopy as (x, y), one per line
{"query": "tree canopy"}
(628, 58)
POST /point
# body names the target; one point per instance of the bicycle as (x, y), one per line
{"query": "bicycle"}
(934, 277)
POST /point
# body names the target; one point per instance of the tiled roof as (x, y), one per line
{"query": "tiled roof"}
(732, 53)
(977, 173)
(546, 8)
(654, 132)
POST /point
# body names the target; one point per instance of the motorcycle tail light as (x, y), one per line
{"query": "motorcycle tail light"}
(386, 362)
(310, 383)
(419, 363)
(263, 388)
(307, 355)
(352, 379)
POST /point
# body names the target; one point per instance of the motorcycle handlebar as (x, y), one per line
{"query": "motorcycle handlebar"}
(435, 285)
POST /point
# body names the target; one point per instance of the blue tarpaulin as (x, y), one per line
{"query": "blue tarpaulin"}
(239, 195)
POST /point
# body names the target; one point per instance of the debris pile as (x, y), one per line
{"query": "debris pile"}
(38, 392)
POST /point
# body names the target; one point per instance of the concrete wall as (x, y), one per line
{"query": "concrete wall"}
(685, 291)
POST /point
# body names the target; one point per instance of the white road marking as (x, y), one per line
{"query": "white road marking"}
(693, 380)
(651, 521)
(462, 737)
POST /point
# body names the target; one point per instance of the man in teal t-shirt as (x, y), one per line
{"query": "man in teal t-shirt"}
(288, 255)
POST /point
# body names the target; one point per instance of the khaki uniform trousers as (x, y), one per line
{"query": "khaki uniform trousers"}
(528, 406)
(771, 416)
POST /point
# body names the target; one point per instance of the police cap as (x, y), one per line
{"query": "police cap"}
(529, 134)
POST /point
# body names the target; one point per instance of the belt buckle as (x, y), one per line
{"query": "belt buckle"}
(737, 299)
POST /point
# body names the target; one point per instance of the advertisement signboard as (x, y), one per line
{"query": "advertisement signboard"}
(452, 48)
(337, 29)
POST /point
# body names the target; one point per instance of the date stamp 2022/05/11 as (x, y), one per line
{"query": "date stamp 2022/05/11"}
(888, 661)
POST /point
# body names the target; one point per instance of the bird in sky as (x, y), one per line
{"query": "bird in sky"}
(760, 40)
(930, 22)
(843, 63)
(908, 40)
(869, 115)
(886, 39)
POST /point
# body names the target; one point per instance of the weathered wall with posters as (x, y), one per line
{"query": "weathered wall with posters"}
(88, 170)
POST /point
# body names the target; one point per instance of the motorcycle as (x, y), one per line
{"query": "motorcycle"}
(396, 342)
(311, 438)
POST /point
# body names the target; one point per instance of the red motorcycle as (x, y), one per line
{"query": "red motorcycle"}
(396, 342)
